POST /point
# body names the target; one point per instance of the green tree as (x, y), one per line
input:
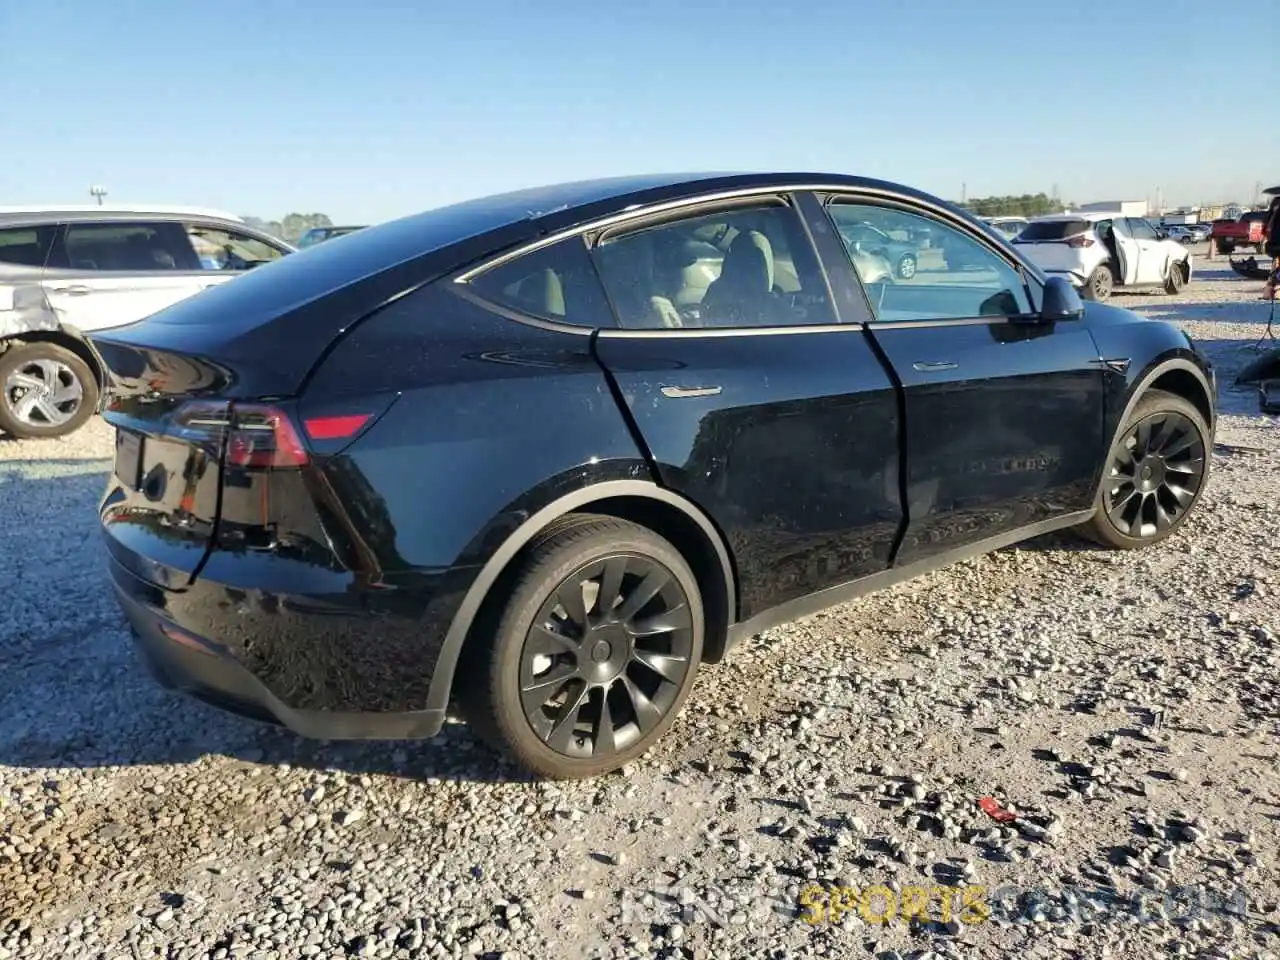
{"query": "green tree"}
(292, 227)
(1023, 205)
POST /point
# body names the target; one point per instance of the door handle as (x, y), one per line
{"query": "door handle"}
(678, 393)
(934, 366)
(77, 290)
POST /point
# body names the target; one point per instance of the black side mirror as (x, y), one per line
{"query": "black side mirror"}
(1061, 302)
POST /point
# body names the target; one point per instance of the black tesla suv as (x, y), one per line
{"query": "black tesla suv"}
(535, 457)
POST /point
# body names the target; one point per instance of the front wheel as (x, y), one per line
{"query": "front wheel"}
(595, 651)
(1099, 285)
(1154, 474)
(45, 391)
(1175, 279)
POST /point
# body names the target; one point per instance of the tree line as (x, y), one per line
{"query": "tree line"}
(1024, 205)
(291, 227)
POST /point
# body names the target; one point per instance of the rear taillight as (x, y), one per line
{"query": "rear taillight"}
(258, 435)
(262, 436)
(1080, 240)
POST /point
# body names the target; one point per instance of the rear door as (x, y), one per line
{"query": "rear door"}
(1004, 414)
(758, 396)
(104, 274)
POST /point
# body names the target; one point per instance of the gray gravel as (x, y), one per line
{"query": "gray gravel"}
(1123, 707)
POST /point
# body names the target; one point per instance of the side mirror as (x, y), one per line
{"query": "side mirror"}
(1061, 302)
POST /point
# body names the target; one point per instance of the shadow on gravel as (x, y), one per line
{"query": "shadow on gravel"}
(74, 693)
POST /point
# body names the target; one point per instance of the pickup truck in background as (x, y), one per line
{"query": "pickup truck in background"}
(1227, 235)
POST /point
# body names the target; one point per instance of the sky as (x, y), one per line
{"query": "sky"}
(368, 109)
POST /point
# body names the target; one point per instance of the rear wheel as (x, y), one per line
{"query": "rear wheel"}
(1175, 279)
(1154, 475)
(1098, 286)
(45, 391)
(907, 266)
(595, 651)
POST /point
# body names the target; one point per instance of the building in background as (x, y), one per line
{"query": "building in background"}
(1128, 208)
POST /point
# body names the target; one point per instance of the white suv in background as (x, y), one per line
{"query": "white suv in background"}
(1097, 252)
(70, 271)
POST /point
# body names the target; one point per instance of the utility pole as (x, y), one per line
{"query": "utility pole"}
(99, 192)
(964, 193)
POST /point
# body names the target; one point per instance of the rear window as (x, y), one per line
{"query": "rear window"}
(1053, 229)
(557, 282)
(26, 246)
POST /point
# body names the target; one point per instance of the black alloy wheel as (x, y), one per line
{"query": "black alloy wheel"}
(596, 652)
(1155, 474)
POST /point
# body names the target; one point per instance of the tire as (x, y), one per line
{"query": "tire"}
(1100, 283)
(1178, 437)
(906, 268)
(1225, 249)
(68, 388)
(540, 647)
(1175, 279)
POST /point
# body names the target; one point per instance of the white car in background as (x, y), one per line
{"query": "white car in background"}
(68, 271)
(1099, 251)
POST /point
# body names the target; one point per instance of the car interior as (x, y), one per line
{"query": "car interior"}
(736, 268)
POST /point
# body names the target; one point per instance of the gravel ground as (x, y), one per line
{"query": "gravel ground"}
(1123, 707)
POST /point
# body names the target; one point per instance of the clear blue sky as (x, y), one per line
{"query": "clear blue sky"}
(367, 109)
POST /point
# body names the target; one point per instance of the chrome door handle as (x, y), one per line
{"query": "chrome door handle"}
(678, 393)
(74, 291)
(933, 366)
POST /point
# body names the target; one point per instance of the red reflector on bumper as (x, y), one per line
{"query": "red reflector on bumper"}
(335, 428)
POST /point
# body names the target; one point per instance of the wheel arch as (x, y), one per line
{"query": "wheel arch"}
(679, 520)
(68, 338)
(1179, 376)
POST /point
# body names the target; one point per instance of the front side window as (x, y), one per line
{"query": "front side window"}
(137, 247)
(1142, 230)
(219, 249)
(743, 266)
(26, 246)
(556, 282)
(952, 277)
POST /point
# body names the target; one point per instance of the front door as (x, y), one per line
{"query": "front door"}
(1151, 252)
(1123, 247)
(1004, 414)
(753, 398)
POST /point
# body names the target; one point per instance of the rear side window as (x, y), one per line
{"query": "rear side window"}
(26, 246)
(741, 266)
(556, 282)
(138, 247)
(1053, 229)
